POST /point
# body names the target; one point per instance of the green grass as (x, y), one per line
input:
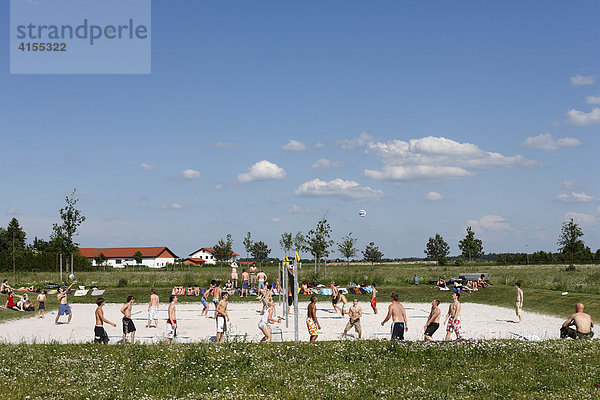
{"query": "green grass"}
(325, 370)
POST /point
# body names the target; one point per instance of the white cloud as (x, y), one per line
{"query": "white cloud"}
(569, 185)
(490, 223)
(360, 141)
(190, 174)
(296, 209)
(338, 188)
(262, 171)
(294, 145)
(174, 206)
(579, 80)
(584, 119)
(544, 141)
(574, 197)
(13, 211)
(218, 186)
(435, 158)
(319, 145)
(223, 145)
(323, 163)
(593, 99)
(147, 167)
(582, 219)
(434, 196)
(275, 219)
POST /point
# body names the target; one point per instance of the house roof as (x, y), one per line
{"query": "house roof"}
(211, 251)
(123, 252)
(196, 260)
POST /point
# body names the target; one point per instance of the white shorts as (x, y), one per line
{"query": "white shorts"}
(170, 331)
(153, 312)
(221, 324)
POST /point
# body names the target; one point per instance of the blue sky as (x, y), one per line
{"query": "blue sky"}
(261, 116)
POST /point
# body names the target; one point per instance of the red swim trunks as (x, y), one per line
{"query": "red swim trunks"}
(374, 302)
(453, 326)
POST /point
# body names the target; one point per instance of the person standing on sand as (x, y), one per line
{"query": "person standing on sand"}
(245, 282)
(41, 298)
(373, 298)
(128, 325)
(222, 317)
(453, 317)
(234, 274)
(398, 314)
(252, 283)
(153, 308)
(217, 293)
(355, 312)
(519, 302)
(311, 319)
(100, 335)
(266, 319)
(583, 325)
(335, 297)
(266, 296)
(262, 278)
(433, 321)
(172, 320)
(63, 306)
(204, 298)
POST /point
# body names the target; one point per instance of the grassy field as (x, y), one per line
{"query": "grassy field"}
(362, 370)
(542, 285)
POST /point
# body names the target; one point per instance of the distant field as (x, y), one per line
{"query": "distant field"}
(542, 284)
(326, 370)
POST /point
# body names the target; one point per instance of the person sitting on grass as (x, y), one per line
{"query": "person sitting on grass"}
(481, 282)
(5, 287)
(10, 302)
(24, 304)
(583, 325)
(228, 287)
(441, 283)
(304, 289)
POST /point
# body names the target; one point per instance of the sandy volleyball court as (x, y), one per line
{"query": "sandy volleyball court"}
(478, 322)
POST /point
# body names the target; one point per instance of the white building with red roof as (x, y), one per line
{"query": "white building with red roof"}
(208, 255)
(152, 257)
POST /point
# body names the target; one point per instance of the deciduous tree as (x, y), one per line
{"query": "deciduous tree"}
(470, 246)
(372, 253)
(437, 248)
(346, 247)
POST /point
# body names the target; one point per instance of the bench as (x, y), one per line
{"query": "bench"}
(473, 277)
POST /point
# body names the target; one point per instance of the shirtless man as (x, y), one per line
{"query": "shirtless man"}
(374, 298)
(153, 308)
(252, 276)
(63, 306)
(217, 293)
(172, 319)
(453, 317)
(583, 324)
(5, 287)
(335, 297)
(433, 321)
(100, 335)
(266, 296)
(311, 319)
(128, 325)
(398, 314)
(222, 317)
(262, 278)
(41, 299)
(204, 298)
(245, 285)
(355, 312)
(519, 302)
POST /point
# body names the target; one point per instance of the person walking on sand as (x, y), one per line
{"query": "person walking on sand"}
(583, 325)
(335, 297)
(373, 298)
(222, 317)
(266, 319)
(171, 320)
(433, 321)
(519, 302)
(128, 325)
(204, 298)
(399, 322)
(153, 309)
(41, 299)
(312, 323)
(63, 306)
(100, 335)
(453, 317)
(354, 312)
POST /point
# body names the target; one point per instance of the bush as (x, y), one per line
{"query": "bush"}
(443, 261)
(459, 261)
(122, 282)
(570, 268)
